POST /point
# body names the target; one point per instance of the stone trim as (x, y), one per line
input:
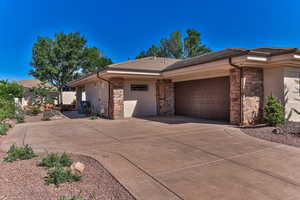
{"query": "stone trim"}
(235, 101)
(116, 104)
(165, 97)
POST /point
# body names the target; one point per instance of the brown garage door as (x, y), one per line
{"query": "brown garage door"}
(205, 98)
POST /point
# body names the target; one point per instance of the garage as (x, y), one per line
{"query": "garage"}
(204, 98)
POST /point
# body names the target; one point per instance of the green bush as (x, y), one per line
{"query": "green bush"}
(34, 111)
(93, 116)
(4, 127)
(56, 160)
(19, 153)
(274, 112)
(46, 119)
(78, 197)
(60, 175)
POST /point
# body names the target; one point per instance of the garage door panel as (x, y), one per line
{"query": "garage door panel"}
(205, 98)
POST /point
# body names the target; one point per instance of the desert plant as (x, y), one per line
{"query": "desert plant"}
(77, 197)
(60, 175)
(4, 127)
(46, 119)
(56, 160)
(19, 153)
(274, 112)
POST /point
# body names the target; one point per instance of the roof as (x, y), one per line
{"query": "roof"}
(226, 53)
(30, 83)
(158, 64)
(151, 64)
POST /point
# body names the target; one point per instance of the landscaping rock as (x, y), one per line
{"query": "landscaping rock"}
(77, 167)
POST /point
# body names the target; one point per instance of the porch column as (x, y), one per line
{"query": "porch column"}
(116, 103)
(252, 96)
(78, 97)
(165, 97)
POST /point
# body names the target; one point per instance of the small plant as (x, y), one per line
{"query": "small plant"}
(46, 119)
(56, 160)
(34, 111)
(4, 127)
(93, 116)
(77, 197)
(20, 119)
(274, 112)
(60, 175)
(19, 153)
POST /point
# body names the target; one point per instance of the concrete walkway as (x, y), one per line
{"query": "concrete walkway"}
(174, 158)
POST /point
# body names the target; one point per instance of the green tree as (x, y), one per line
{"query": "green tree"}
(60, 60)
(192, 44)
(97, 60)
(177, 47)
(11, 90)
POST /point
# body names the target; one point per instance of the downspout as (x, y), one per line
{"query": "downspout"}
(241, 89)
(109, 92)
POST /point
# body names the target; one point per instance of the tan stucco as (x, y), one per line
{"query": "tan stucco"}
(291, 93)
(97, 94)
(140, 103)
(273, 83)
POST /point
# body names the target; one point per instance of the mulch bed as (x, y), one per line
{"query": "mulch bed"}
(24, 180)
(286, 134)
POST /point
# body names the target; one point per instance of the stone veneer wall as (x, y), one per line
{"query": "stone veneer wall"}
(165, 97)
(253, 95)
(116, 105)
(235, 101)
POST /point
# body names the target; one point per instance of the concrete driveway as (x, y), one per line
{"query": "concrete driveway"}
(174, 158)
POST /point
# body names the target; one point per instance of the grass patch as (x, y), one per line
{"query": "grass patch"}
(56, 160)
(19, 153)
(60, 175)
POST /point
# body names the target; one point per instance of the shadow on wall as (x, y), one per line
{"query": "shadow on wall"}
(294, 94)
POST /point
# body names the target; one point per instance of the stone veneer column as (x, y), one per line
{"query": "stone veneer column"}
(253, 95)
(235, 101)
(165, 97)
(116, 104)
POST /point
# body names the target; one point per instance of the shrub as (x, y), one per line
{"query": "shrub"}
(34, 111)
(60, 175)
(78, 197)
(19, 153)
(46, 119)
(56, 160)
(93, 116)
(274, 112)
(4, 127)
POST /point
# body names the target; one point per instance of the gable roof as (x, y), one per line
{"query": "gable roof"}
(153, 64)
(31, 83)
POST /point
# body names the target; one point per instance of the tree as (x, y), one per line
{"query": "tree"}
(176, 47)
(192, 44)
(60, 60)
(97, 60)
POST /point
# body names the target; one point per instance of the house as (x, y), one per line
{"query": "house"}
(229, 85)
(68, 94)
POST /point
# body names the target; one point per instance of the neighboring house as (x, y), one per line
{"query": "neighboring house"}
(68, 95)
(229, 85)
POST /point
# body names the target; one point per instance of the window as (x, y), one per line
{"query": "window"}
(139, 87)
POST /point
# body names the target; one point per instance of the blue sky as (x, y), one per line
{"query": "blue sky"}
(125, 27)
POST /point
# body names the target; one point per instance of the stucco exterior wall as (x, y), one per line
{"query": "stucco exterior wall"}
(140, 103)
(291, 93)
(97, 94)
(273, 83)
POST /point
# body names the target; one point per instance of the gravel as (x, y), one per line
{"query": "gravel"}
(288, 133)
(24, 180)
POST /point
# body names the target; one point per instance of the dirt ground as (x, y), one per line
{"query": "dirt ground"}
(24, 180)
